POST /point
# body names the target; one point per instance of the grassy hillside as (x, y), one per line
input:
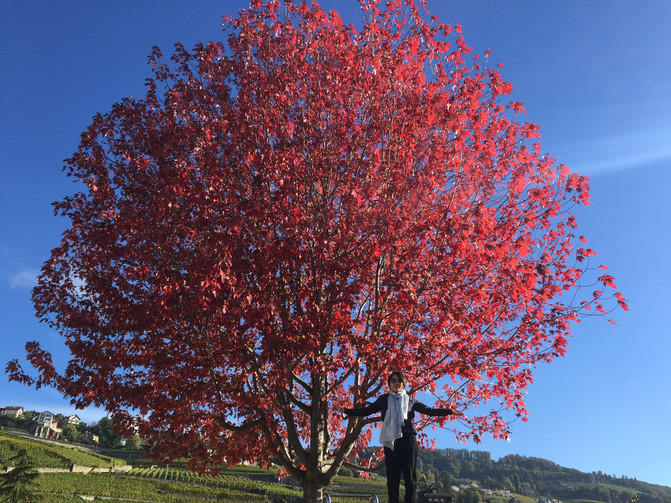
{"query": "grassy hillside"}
(49, 455)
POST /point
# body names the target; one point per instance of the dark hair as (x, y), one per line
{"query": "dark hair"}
(398, 375)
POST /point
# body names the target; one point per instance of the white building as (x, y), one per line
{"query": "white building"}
(13, 412)
(47, 426)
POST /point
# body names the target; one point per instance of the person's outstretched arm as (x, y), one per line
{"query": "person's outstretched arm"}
(374, 407)
(434, 411)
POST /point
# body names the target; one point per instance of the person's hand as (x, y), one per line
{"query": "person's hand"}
(455, 412)
(340, 410)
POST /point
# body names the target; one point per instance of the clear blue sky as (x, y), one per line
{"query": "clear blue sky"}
(595, 75)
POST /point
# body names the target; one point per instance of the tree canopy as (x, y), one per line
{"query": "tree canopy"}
(289, 214)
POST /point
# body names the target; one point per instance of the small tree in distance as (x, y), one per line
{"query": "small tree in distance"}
(289, 214)
(105, 431)
(70, 432)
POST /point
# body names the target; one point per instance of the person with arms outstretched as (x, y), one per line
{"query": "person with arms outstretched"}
(398, 434)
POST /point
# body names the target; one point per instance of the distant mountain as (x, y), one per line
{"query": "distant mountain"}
(534, 477)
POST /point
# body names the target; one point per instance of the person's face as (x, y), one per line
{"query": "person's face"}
(396, 384)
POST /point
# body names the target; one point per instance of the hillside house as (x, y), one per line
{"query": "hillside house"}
(73, 419)
(88, 437)
(435, 494)
(46, 426)
(11, 412)
(44, 419)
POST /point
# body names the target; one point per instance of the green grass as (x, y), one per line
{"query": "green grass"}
(95, 484)
(114, 486)
(61, 498)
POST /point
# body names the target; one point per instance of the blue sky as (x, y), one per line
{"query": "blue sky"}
(595, 75)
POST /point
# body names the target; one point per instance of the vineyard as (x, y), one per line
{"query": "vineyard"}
(48, 455)
(229, 483)
(148, 483)
(252, 485)
(177, 485)
(166, 486)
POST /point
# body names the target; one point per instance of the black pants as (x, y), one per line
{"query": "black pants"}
(402, 459)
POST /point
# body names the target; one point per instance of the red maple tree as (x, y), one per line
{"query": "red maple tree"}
(291, 213)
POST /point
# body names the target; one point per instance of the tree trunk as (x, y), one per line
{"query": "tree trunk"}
(314, 465)
(313, 484)
(312, 493)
